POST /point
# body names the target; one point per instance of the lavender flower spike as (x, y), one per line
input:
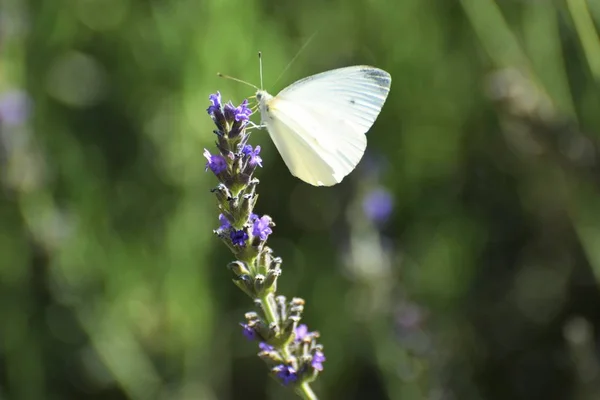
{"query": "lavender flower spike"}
(290, 350)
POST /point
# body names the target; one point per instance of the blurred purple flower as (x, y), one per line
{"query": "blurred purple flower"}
(286, 373)
(248, 331)
(410, 321)
(301, 332)
(265, 347)
(238, 238)
(253, 154)
(409, 317)
(216, 163)
(317, 361)
(261, 227)
(15, 107)
(378, 205)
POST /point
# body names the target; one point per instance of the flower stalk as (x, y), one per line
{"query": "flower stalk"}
(291, 352)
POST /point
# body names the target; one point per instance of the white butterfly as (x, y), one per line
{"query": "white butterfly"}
(318, 123)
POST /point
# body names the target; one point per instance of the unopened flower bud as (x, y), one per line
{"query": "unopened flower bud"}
(265, 259)
(247, 205)
(276, 263)
(251, 316)
(280, 301)
(238, 268)
(245, 282)
(223, 194)
(259, 281)
(271, 280)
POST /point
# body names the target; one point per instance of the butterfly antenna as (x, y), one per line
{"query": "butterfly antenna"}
(296, 56)
(260, 69)
(220, 75)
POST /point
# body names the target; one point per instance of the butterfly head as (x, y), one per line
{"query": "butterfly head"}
(263, 98)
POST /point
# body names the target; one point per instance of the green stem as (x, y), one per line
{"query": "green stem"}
(272, 318)
(306, 392)
(268, 308)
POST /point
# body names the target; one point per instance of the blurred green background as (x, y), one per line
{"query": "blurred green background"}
(480, 283)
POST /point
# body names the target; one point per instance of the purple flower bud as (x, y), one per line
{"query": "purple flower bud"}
(317, 360)
(254, 158)
(215, 99)
(238, 238)
(248, 331)
(378, 205)
(286, 373)
(216, 163)
(261, 227)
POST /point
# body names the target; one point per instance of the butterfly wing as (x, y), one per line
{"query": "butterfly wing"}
(318, 124)
(355, 94)
(314, 147)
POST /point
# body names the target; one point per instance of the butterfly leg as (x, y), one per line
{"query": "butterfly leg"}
(252, 125)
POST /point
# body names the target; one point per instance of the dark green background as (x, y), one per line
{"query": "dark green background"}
(482, 285)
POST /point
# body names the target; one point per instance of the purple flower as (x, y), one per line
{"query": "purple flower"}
(253, 154)
(224, 222)
(378, 205)
(286, 373)
(14, 107)
(248, 331)
(301, 332)
(216, 163)
(238, 238)
(239, 114)
(216, 103)
(261, 227)
(265, 347)
(317, 360)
